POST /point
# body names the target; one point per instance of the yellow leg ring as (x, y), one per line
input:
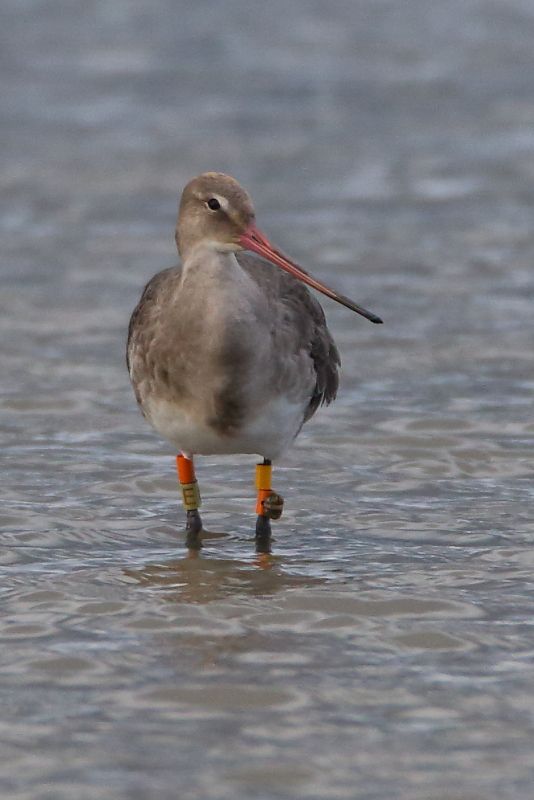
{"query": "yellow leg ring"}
(191, 496)
(263, 476)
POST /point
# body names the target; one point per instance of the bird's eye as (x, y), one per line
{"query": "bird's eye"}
(213, 204)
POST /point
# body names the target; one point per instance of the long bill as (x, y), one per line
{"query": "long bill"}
(253, 239)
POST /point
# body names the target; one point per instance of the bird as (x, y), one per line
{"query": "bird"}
(230, 352)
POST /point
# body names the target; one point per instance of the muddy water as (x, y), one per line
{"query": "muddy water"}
(386, 650)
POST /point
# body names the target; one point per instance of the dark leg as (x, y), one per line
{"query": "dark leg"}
(268, 506)
(263, 534)
(191, 498)
(193, 529)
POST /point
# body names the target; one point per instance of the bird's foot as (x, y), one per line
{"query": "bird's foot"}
(273, 505)
(193, 530)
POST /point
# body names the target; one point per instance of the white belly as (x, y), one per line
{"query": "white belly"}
(268, 434)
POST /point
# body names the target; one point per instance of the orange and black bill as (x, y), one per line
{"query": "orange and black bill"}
(253, 239)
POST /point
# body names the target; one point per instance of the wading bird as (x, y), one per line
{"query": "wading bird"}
(230, 353)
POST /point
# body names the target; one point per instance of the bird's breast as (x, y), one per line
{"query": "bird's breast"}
(223, 332)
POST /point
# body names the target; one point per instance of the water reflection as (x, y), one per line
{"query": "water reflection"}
(199, 579)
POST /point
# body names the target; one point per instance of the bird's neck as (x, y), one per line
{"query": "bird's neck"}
(207, 265)
(215, 289)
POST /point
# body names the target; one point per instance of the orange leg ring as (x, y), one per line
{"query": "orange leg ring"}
(263, 485)
(186, 469)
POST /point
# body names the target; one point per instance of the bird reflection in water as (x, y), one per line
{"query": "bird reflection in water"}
(195, 579)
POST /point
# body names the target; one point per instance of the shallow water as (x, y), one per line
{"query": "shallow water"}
(386, 649)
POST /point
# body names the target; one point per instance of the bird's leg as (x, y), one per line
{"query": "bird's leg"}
(269, 506)
(191, 499)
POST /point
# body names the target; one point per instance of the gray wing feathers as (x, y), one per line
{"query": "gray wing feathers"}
(143, 322)
(306, 317)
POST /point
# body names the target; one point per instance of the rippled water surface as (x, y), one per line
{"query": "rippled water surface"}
(386, 650)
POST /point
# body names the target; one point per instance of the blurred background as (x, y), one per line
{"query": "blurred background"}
(387, 650)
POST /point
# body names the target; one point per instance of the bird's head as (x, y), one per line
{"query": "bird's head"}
(216, 212)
